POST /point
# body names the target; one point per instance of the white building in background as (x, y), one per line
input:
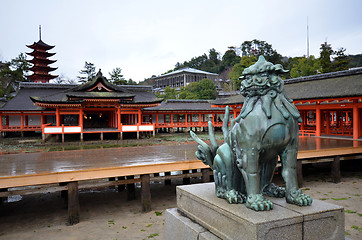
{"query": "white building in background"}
(181, 78)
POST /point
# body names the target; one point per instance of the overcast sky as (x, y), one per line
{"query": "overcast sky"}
(148, 37)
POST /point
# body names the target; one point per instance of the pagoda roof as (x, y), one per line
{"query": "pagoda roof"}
(322, 86)
(42, 68)
(39, 54)
(40, 45)
(42, 61)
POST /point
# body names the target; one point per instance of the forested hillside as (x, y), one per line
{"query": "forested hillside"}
(231, 64)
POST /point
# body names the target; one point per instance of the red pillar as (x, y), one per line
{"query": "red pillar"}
(140, 120)
(356, 121)
(318, 121)
(81, 119)
(328, 122)
(1, 122)
(57, 116)
(22, 120)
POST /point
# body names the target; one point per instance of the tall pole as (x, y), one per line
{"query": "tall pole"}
(39, 32)
(307, 40)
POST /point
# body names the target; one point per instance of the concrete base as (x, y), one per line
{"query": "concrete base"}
(199, 203)
(179, 227)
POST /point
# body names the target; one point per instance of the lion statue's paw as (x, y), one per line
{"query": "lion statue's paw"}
(299, 198)
(233, 196)
(257, 202)
(273, 190)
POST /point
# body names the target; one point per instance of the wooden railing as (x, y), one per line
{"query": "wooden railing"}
(185, 125)
(18, 128)
(307, 133)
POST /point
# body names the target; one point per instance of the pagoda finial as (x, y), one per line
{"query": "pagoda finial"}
(39, 32)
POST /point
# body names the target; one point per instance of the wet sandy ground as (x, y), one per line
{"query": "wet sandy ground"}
(106, 213)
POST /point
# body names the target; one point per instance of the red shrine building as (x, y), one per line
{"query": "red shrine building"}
(330, 104)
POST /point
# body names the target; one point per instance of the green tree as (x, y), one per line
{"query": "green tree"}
(205, 89)
(305, 67)
(169, 93)
(214, 56)
(191, 91)
(131, 82)
(88, 73)
(246, 61)
(257, 48)
(325, 57)
(340, 60)
(230, 58)
(13, 72)
(117, 77)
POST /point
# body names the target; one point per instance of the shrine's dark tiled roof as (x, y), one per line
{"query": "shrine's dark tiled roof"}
(22, 101)
(99, 95)
(236, 99)
(322, 86)
(182, 105)
(328, 86)
(61, 94)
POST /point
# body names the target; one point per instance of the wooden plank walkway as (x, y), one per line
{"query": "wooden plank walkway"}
(69, 171)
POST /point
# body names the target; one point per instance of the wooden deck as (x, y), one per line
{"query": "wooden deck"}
(72, 170)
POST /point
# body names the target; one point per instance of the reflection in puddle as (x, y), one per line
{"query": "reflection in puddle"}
(15, 198)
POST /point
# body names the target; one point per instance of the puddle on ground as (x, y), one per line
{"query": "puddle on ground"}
(15, 198)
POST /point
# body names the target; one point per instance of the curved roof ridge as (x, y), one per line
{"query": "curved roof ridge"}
(325, 75)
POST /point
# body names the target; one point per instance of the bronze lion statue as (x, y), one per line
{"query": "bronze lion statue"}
(267, 127)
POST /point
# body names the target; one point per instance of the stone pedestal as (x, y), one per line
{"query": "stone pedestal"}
(201, 213)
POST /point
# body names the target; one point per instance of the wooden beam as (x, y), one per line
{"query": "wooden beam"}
(186, 180)
(73, 203)
(167, 181)
(145, 193)
(205, 175)
(121, 187)
(131, 193)
(33, 190)
(336, 170)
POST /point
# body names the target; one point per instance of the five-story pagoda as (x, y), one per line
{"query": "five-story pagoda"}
(41, 61)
